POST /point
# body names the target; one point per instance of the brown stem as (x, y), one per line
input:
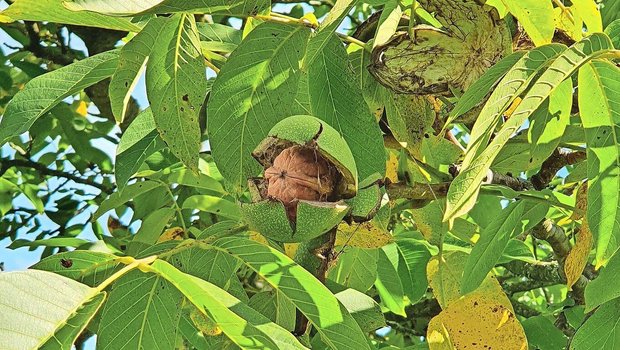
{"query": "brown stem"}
(559, 159)
(557, 239)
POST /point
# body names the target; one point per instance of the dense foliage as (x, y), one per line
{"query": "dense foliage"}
(343, 174)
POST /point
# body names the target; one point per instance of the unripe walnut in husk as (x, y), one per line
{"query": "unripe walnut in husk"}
(309, 170)
(472, 39)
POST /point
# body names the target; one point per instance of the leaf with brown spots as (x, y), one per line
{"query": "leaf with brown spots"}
(367, 234)
(172, 234)
(476, 322)
(578, 256)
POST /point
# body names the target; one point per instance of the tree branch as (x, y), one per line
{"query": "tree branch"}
(557, 239)
(559, 159)
(6, 164)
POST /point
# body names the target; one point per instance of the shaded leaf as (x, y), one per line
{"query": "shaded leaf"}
(355, 268)
(176, 87)
(47, 90)
(139, 141)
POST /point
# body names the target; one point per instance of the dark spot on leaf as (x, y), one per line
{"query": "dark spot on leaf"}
(185, 97)
(126, 84)
(66, 263)
(427, 135)
(182, 109)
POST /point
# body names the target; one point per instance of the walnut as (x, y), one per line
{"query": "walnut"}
(299, 172)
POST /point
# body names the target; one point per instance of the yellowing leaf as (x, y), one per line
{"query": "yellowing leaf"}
(581, 203)
(255, 236)
(568, 21)
(290, 249)
(363, 235)
(445, 280)
(174, 233)
(477, 322)
(391, 167)
(82, 108)
(206, 325)
(513, 106)
(588, 10)
(578, 256)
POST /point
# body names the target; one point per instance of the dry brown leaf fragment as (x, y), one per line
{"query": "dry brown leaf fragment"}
(578, 256)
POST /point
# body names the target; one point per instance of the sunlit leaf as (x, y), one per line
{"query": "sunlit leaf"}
(54, 11)
(599, 96)
(46, 310)
(176, 87)
(253, 91)
(337, 327)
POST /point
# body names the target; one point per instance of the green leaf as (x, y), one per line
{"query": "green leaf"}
(410, 118)
(254, 90)
(139, 141)
(319, 41)
(366, 312)
(489, 248)
(54, 11)
(49, 242)
(202, 181)
(151, 229)
(336, 99)
(548, 123)
(600, 331)
(242, 324)
(599, 96)
(478, 90)
(337, 327)
(610, 11)
(130, 192)
(542, 334)
(218, 37)
(53, 308)
(466, 186)
(536, 17)
(134, 7)
(276, 307)
(388, 22)
(413, 258)
(613, 31)
(606, 286)
(388, 282)
(213, 204)
(47, 90)
(356, 268)
(131, 62)
(142, 312)
(369, 86)
(88, 267)
(176, 87)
